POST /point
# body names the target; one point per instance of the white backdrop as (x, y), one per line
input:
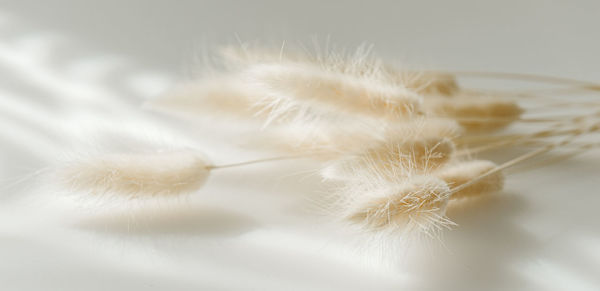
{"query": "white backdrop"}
(73, 68)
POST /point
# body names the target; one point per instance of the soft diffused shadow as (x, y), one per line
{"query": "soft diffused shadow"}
(481, 252)
(188, 220)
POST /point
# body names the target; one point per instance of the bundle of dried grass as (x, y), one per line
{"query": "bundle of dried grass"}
(397, 143)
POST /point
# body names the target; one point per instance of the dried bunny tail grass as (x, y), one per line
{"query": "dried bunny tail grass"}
(429, 83)
(477, 114)
(137, 175)
(228, 97)
(592, 86)
(329, 139)
(218, 96)
(425, 127)
(415, 205)
(393, 159)
(423, 154)
(358, 63)
(350, 136)
(416, 146)
(462, 173)
(493, 171)
(481, 143)
(288, 86)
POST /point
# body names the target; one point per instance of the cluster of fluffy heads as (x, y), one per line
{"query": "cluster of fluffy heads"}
(405, 182)
(393, 142)
(387, 135)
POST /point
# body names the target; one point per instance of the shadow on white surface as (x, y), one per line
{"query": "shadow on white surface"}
(175, 220)
(542, 234)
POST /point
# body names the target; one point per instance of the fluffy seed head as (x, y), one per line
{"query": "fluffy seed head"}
(394, 158)
(286, 84)
(422, 154)
(418, 203)
(360, 63)
(224, 97)
(464, 172)
(137, 175)
(477, 114)
(430, 83)
(425, 127)
(329, 139)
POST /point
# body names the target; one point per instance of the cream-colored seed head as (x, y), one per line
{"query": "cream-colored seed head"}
(426, 83)
(328, 140)
(419, 202)
(224, 97)
(464, 172)
(431, 83)
(425, 127)
(393, 159)
(477, 114)
(421, 154)
(283, 84)
(137, 175)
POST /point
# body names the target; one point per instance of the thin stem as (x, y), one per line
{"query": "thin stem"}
(577, 150)
(522, 158)
(507, 138)
(494, 142)
(501, 119)
(529, 144)
(548, 91)
(561, 105)
(526, 77)
(258, 161)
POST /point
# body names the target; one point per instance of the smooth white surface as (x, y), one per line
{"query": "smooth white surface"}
(70, 68)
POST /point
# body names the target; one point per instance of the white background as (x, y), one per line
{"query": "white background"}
(71, 67)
